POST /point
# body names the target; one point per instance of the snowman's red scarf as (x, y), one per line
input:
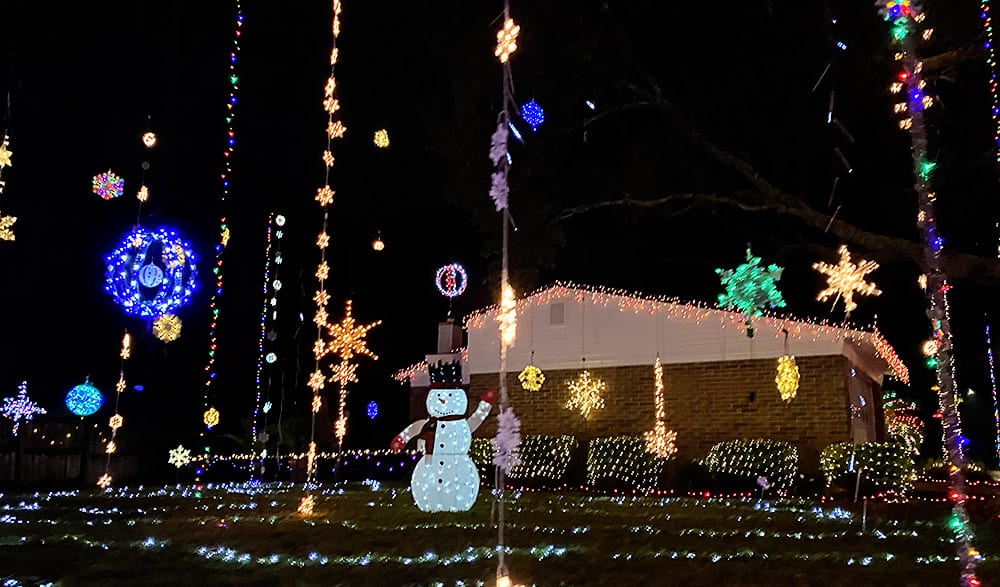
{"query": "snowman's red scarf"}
(430, 428)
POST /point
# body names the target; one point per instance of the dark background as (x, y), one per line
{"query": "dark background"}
(83, 78)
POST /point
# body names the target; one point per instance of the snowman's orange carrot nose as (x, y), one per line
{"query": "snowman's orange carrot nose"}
(442, 400)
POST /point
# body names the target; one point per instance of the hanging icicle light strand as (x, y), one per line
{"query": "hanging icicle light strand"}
(905, 18)
(270, 297)
(223, 231)
(660, 441)
(335, 129)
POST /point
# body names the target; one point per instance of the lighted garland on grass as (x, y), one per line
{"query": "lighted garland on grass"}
(775, 460)
(905, 18)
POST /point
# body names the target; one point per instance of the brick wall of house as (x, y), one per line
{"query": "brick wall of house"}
(706, 403)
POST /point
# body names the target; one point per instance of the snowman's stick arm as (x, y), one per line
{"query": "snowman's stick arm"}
(412, 430)
(480, 415)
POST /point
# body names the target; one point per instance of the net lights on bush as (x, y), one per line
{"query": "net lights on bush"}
(20, 408)
(151, 273)
(753, 458)
(889, 465)
(750, 288)
(586, 394)
(660, 441)
(845, 279)
(107, 185)
(531, 378)
(623, 459)
(905, 18)
(84, 399)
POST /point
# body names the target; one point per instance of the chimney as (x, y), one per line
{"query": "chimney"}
(449, 336)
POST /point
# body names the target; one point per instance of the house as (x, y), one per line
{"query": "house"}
(719, 383)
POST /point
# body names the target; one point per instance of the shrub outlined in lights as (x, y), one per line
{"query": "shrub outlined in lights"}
(624, 460)
(775, 460)
(886, 465)
(151, 273)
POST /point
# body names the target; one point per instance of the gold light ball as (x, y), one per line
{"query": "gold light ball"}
(929, 348)
(211, 417)
(149, 139)
(378, 244)
(531, 378)
(381, 139)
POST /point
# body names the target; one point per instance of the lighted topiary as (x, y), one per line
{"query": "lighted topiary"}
(623, 460)
(886, 465)
(775, 460)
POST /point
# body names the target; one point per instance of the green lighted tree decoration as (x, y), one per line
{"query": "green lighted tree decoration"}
(750, 288)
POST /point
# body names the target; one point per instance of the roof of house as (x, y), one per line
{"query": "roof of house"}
(804, 336)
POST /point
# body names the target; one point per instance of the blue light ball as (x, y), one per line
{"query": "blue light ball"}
(533, 114)
(372, 410)
(84, 399)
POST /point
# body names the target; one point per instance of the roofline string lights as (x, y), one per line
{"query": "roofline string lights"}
(335, 129)
(272, 257)
(225, 177)
(116, 421)
(905, 18)
(6, 222)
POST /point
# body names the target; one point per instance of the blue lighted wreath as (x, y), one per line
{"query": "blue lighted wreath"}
(151, 273)
(84, 399)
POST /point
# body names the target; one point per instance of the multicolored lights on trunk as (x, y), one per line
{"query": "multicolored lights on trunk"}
(905, 19)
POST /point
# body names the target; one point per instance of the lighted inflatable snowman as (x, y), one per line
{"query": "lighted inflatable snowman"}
(445, 479)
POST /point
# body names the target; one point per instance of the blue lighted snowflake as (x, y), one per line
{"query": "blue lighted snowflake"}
(372, 410)
(533, 114)
(84, 399)
(151, 273)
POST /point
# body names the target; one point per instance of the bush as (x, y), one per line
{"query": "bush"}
(543, 459)
(749, 459)
(887, 466)
(622, 461)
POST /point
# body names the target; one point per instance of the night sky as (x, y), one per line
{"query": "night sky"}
(85, 80)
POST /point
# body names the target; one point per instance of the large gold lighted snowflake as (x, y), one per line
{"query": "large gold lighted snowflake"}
(846, 278)
(6, 222)
(586, 394)
(347, 337)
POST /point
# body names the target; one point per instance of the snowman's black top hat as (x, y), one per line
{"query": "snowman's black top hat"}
(445, 374)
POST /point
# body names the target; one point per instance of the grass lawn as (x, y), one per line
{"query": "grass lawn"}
(234, 535)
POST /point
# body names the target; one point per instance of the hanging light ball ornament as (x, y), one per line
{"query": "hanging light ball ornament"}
(211, 417)
(531, 378)
(151, 273)
(381, 138)
(533, 114)
(451, 280)
(107, 185)
(787, 378)
(271, 358)
(929, 348)
(149, 139)
(378, 244)
(372, 410)
(167, 328)
(84, 399)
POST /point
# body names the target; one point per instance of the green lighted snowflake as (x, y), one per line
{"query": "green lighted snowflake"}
(751, 287)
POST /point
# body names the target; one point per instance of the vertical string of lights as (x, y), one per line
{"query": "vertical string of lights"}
(6, 222)
(905, 18)
(335, 129)
(987, 17)
(993, 388)
(116, 421)
(272, 256)
(211, 415)
(508, 437)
